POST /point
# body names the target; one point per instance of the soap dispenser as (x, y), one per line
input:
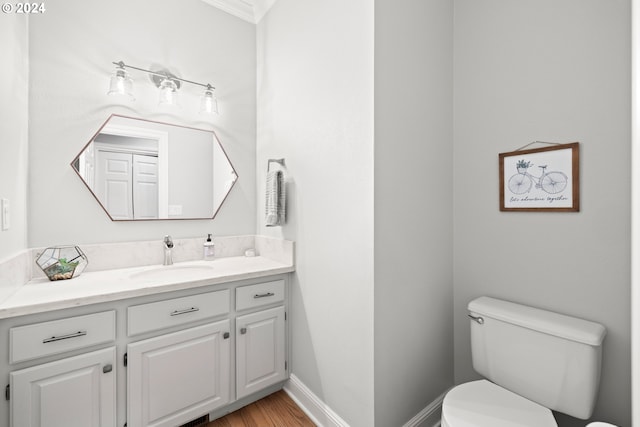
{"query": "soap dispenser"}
(209, 249)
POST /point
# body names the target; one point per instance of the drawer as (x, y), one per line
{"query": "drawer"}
(258, 295)
(59, 336)
(176, 311)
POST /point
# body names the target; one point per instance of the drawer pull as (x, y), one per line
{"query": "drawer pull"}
(267, 294)
(185, 311)
(65, 337)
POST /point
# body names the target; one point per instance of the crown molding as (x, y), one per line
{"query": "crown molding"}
(249, 10)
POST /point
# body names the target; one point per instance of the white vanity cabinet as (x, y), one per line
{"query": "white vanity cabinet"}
(77, 391)
(260, 337)
(162, 359)
(177, 377)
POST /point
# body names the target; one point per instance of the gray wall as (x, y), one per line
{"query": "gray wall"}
(413, 206)
(72, 47)
(14, 75)
(556, 71)
(315, 109)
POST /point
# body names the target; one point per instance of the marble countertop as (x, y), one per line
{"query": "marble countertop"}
(40, 295)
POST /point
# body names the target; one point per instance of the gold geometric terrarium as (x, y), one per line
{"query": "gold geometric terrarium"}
(62, 262)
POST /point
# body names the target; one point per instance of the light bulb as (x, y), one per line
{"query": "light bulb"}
(208, 102)
(168, 92)
(120, 83)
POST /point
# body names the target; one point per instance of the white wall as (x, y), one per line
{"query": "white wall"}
(413, 206)
(315, 109)
(557, 71)
(14, 76)
(72, 47)
(635, 213)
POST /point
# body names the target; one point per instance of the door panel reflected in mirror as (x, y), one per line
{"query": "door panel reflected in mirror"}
(145, 170)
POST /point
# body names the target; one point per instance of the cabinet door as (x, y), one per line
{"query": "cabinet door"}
(77, 391)
(260, 350)
(174, 378)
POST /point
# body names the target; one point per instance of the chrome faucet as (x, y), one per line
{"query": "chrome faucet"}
(168, 245)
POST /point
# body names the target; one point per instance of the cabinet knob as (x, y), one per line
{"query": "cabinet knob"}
(243, 331)
(225, 335)
(107, 368)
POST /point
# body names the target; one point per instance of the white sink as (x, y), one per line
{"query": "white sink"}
(173, 272)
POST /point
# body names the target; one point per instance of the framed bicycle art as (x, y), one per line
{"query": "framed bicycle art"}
(541, 179)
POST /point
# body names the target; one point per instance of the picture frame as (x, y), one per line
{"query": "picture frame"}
(554, 187)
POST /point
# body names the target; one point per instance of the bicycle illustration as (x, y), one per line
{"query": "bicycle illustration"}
(552, 182)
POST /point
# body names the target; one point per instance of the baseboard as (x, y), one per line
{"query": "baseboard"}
(319, 412)
(429, 416)
(323, 416)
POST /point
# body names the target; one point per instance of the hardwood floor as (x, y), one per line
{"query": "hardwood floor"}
(275, 410)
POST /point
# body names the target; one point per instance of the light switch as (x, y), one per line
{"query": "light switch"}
(6, 214)
(175, 210)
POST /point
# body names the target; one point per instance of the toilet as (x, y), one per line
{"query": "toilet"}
(533, 361)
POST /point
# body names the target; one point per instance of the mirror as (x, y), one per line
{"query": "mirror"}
(145, 170)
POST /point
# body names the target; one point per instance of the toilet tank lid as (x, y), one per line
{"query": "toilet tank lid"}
(560, 325)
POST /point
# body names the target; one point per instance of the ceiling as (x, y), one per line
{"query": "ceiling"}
(249, 10)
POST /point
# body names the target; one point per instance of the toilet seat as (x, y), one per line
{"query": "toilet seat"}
(484, 404)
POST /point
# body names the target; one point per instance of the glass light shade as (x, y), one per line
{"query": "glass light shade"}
(121, 84)
(208, 102)
(168, 92)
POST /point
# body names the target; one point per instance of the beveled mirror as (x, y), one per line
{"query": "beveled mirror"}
(146, 170)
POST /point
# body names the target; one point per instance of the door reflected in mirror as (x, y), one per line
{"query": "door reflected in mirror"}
(145, 170)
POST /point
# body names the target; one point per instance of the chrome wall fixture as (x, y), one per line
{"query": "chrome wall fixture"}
(167, 83)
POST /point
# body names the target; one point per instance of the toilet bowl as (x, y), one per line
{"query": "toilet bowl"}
(523, 352)
(482, 403)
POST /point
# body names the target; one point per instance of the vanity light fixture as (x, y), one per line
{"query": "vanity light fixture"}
(167, 83)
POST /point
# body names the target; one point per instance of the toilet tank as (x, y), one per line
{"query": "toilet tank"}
(546, 357)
